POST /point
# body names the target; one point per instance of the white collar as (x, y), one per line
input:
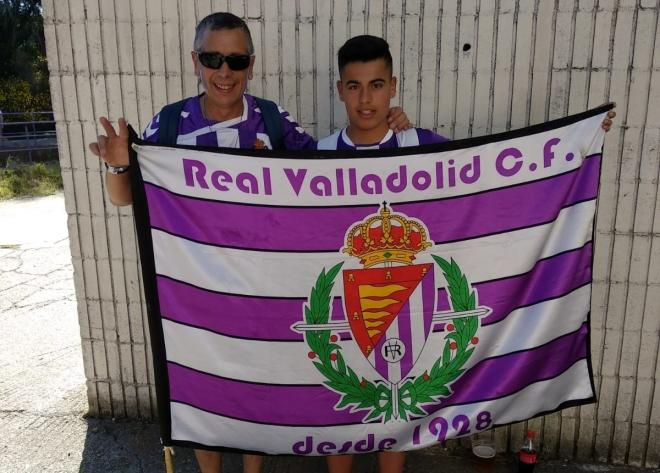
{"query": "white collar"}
(348, 141)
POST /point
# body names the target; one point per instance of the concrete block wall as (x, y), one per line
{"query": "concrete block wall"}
(465, 68)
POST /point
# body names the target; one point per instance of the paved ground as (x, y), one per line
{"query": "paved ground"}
(42, 387)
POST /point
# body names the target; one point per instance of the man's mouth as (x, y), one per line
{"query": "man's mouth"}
(223, 88)
(366, 113)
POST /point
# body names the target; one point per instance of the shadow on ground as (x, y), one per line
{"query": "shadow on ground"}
(131, 446)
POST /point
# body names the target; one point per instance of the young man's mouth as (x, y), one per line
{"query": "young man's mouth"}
(366, 114)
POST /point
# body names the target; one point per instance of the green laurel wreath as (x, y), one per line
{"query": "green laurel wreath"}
(376, 396)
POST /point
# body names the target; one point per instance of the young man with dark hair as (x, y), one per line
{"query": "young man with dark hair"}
(366, 86)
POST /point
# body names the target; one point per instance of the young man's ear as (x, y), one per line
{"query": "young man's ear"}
(393, 87)
(340, 89)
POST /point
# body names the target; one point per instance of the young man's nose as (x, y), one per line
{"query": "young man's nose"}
(365, 95)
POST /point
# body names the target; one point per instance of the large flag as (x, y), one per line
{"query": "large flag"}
(330, 302)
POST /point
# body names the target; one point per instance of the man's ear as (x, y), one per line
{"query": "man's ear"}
(195, 61)
(252, 58)
(393, 87)
(340, 89)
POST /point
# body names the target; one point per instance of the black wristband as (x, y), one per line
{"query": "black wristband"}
(116, 169)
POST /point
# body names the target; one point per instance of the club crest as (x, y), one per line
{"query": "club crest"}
(390, 307)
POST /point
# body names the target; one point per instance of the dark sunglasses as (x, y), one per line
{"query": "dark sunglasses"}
(216, 60)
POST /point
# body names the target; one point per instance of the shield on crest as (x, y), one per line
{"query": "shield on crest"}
(390, 310)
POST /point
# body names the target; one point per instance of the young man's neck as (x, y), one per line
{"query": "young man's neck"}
(367, 137)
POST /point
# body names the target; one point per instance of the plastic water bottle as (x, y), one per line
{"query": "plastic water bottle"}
(527, 454)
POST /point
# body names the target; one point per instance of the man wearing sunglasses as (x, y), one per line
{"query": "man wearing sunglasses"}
(222, 116)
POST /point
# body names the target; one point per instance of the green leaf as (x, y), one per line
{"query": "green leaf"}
(416, 410)
(446, 354)
(374, 414)
(344, 402)
(472, 301)
(352, 376)
(332, 274)
(341, 364)
(443, 392)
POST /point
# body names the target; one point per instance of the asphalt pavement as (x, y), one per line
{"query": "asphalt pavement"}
(43, 404)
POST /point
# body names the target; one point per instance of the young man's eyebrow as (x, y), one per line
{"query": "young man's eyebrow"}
(357, 82)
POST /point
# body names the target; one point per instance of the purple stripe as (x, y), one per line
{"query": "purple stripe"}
(314, 405)
(429, 300)
(405, 335)
(501, 376)
(323, 229)
(246, 317)
(271, 319)
(381, 365)
(549, 279)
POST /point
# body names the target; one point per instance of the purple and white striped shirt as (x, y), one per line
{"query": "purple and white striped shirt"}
(239, 132)
(412, 137)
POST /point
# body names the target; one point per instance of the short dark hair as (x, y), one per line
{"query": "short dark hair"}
(221, 21)
(364, 48)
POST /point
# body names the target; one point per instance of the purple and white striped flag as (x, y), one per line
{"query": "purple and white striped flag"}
(331, 302)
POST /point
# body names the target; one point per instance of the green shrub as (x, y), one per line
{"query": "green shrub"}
(30, 180)
(16, 95)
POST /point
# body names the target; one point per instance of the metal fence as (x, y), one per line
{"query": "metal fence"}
(23, 133)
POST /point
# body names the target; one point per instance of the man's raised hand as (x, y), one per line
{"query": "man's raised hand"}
(112, 147)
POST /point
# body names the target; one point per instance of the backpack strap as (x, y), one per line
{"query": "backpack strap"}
(168, 123)
(272, 121)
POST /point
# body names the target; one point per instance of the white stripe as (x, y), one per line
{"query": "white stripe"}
(151, 128)
(417, 327)
(266, 139)
(227, 137)
(257, 361)
(523, 329)
(261, 273)
(407, 138)
(164, 167)
(329, 142)
(287, 362)
(190, 424)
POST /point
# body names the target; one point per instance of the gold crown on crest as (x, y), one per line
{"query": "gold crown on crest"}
(386, 237)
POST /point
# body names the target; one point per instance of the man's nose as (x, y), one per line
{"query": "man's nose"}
(224, 69)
